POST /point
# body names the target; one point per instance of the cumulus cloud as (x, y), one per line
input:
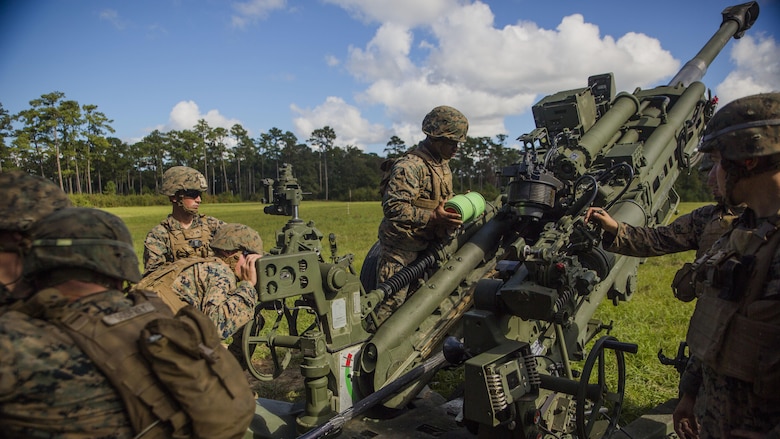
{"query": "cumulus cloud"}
(254, 10)
(186, 114)
(757, 71)
(451, 52)
(350, 127)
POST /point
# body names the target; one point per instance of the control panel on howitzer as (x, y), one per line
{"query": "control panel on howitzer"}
(512, 295)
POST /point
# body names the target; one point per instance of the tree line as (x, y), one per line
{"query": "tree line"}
(71, 144)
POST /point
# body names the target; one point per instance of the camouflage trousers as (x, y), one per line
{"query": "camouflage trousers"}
(391, 261)
(725, 403)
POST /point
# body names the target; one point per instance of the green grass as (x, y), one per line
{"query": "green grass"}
(354, 224)
(653, 318)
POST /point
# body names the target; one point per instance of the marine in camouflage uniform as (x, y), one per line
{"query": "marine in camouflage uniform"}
(26, 199)
(731, 387)
(221, 287)
(185, 232)
(697, 230)
(413, 200)
(48, 387)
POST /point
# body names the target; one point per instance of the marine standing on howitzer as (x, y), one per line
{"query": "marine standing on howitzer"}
(222, 287)
(731, 386)
(26, 199)
(697, 230)
(73, 357)
(413, 197)
(184, 233)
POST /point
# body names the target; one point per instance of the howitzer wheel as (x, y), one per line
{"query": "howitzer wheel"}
(253, 340)
(599, 396)
(368, 271)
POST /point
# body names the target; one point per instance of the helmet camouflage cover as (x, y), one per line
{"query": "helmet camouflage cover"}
(26, 199)
(182, 178)
(744, 128)
(447, 122)
(83, 237)
(233, 236)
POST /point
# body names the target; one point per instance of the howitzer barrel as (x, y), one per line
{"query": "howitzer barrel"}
(424, 302)
(736, 20)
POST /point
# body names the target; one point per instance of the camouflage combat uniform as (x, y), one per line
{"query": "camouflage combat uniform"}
(734, 333)
(417, 184)
(159, 246)
(211, 287)
(48, 387)
(725, 402)
(697, 230)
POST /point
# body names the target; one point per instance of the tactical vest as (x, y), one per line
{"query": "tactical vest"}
(175, 378)
(437, 180)
(734, 329)
(190, 242)
(717, 226)
(161, 280)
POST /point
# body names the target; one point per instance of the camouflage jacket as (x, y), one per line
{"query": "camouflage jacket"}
(159, 245)
(731, 401)
(405, 222)
(211, 288)
(697, 230)
(49, 387)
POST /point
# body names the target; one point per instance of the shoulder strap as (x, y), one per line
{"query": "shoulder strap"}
(763, 236)
(436, 181)
(161, 280)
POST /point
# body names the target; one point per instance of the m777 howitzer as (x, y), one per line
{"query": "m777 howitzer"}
(511, 297)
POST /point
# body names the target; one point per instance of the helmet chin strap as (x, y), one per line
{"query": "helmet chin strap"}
(180, 203)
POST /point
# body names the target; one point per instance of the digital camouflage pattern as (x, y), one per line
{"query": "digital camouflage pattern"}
(723, 402)
(168, 241)
(233, 236)
(26, 199)
(83, 237)
(211, 287)
(746, 127)
(45, 379)
(182, 178)
(447, 122)
(405, 223)
(697, 230)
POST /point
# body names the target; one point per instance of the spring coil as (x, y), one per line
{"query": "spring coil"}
(405, 276)
(496, 392)
(531, 371)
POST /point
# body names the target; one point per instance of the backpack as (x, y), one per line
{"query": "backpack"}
(161, 279)
(172, 372)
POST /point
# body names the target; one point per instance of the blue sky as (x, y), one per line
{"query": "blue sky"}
(370, 69)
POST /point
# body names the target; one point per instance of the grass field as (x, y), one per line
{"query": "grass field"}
(653, 318)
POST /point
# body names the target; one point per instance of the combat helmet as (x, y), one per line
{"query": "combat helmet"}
(27, 198)
(233, 236)
(83, 237)
(182, 178)
(447, 122)
(744, 128)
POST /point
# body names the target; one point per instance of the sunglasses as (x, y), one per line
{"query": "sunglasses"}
(191, 193)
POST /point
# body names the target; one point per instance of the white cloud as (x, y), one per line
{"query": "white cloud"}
(757, 71)
(350, 127)
(112, 16)
(489, 73)
(403, 12)
(253, 10)
(186, 114)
